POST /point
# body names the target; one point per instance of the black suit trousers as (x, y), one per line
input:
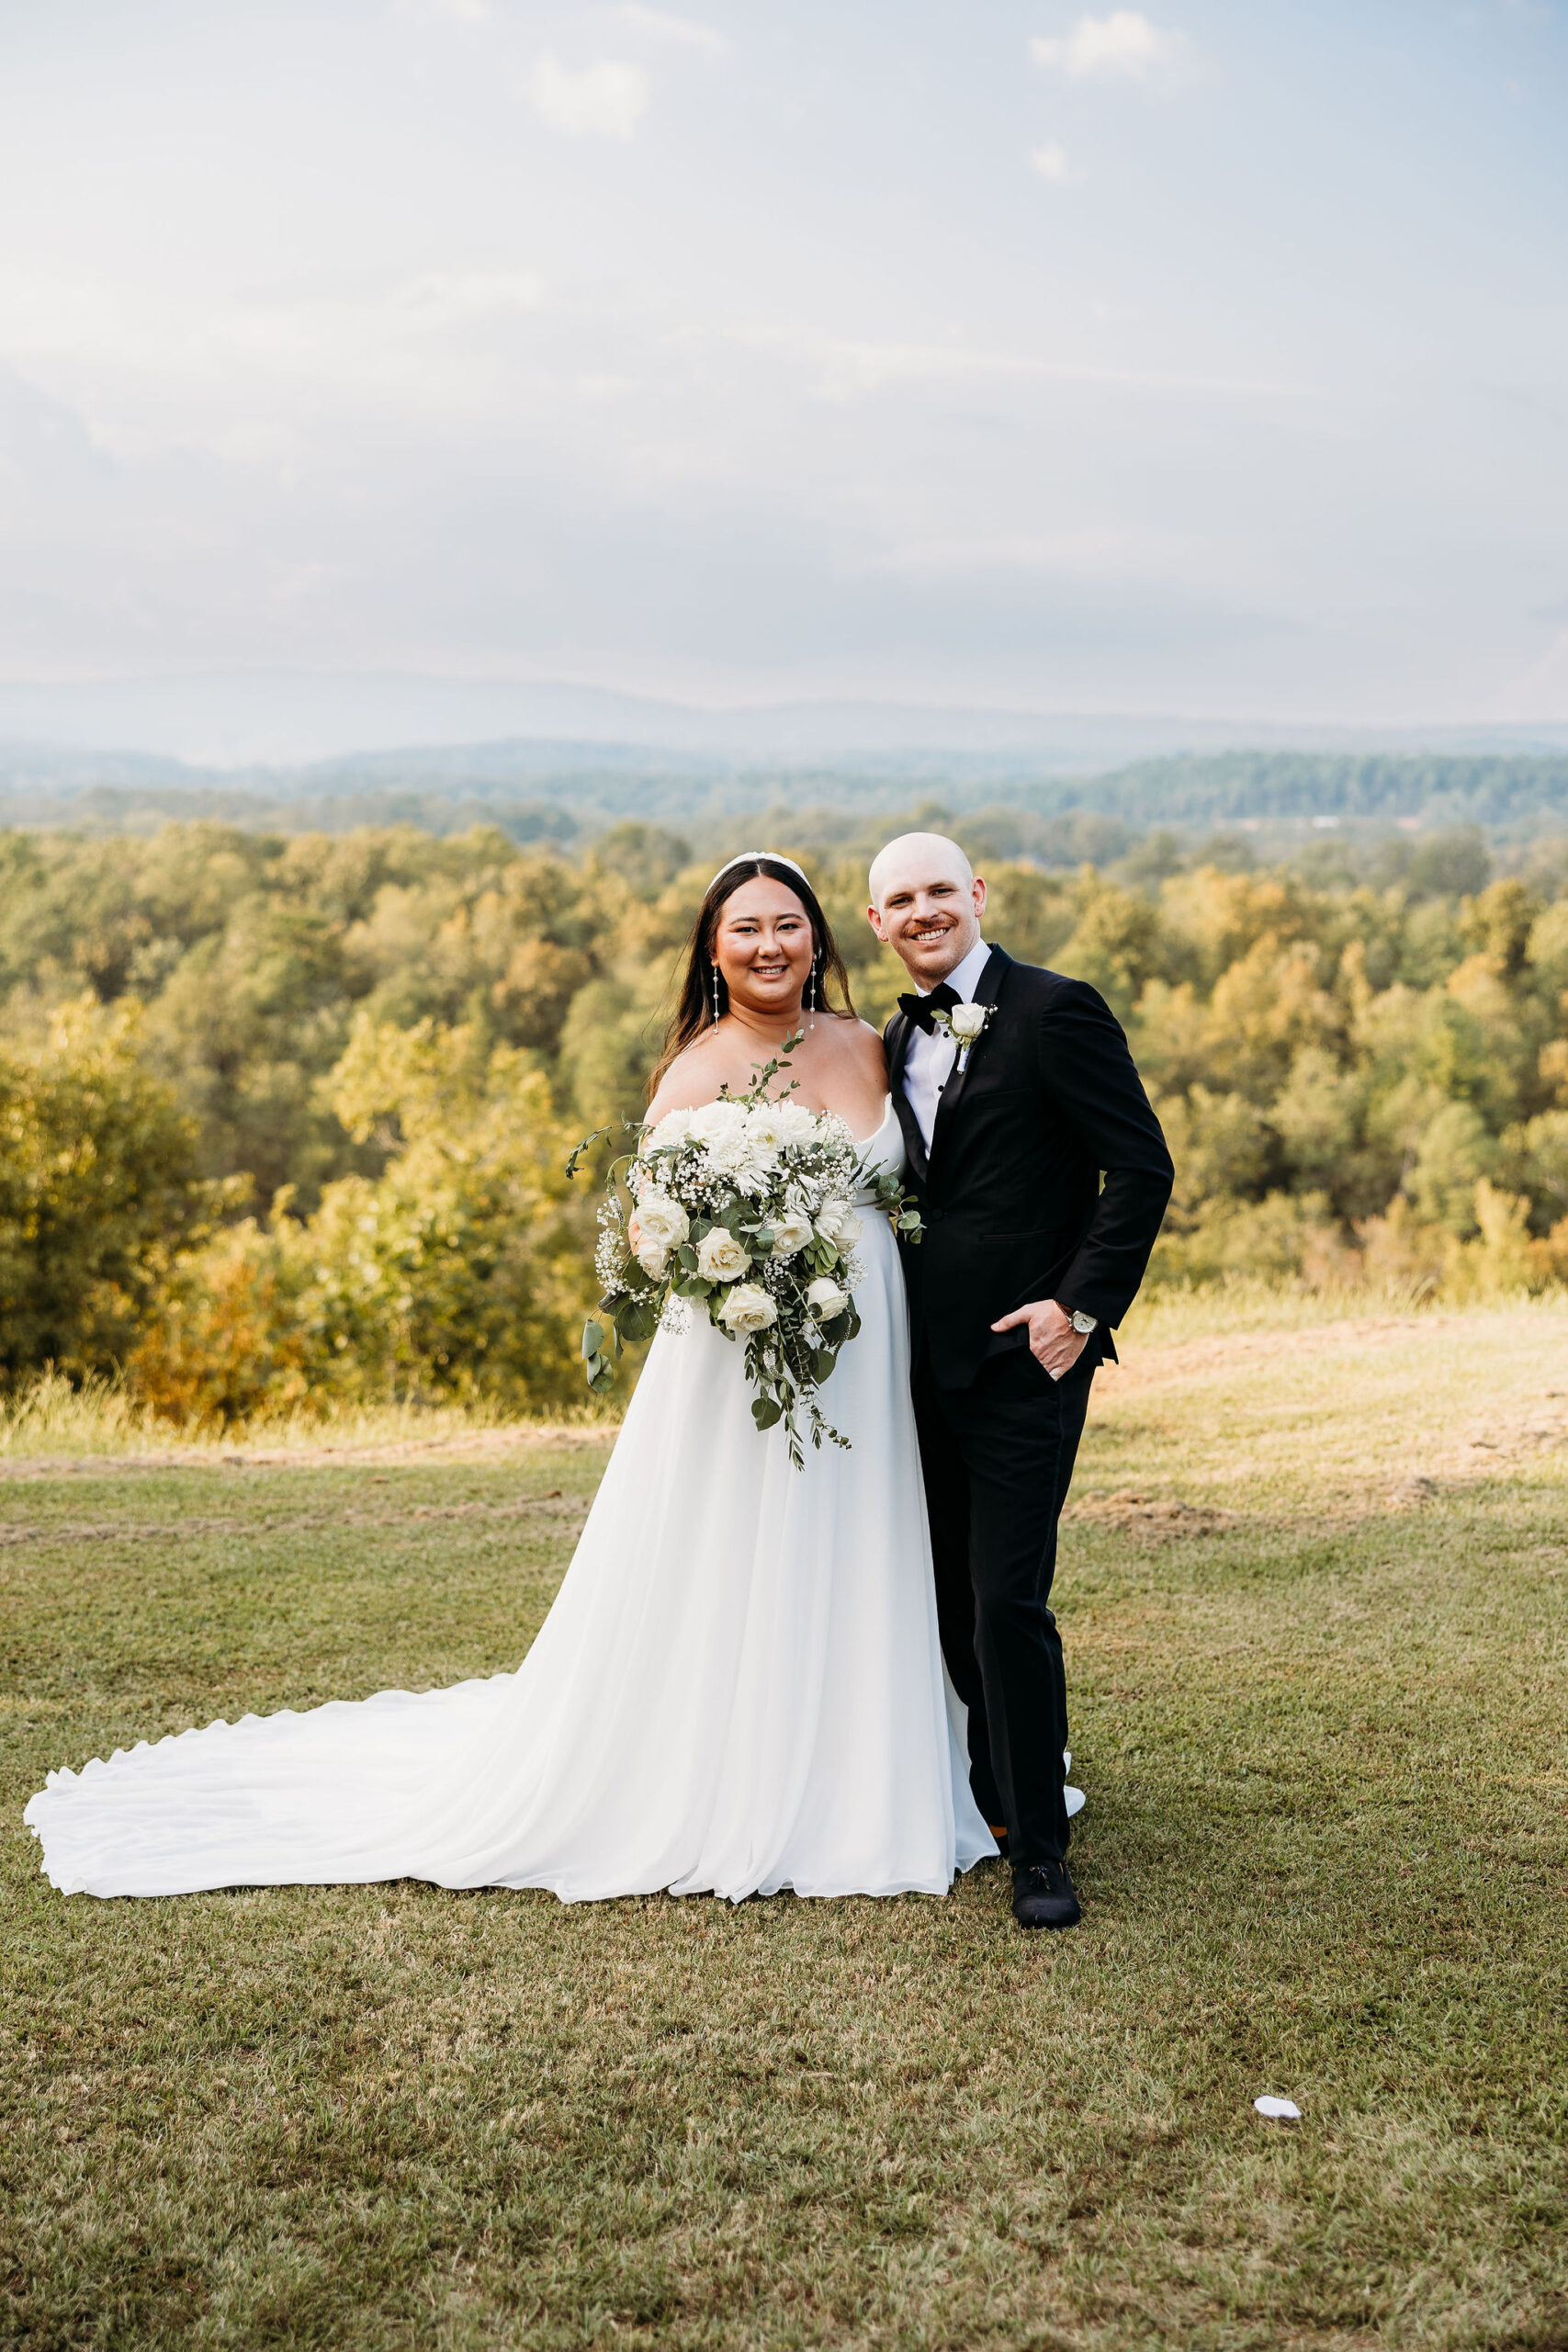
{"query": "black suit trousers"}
(997, 1459)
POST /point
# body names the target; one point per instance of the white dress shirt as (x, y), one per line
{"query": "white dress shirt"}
(928, 1063)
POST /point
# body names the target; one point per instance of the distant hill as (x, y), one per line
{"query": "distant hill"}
(572, 790)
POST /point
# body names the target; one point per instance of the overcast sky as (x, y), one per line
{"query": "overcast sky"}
(1211, 360)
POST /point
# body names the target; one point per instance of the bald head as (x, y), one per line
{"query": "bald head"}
(926, 904)
(914, 858)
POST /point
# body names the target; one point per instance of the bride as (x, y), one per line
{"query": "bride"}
(740, 1687)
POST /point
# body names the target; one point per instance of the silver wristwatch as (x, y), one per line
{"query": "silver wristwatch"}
(1084, 1324)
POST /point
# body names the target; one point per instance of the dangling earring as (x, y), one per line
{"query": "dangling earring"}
(811, 995)
(715, 995)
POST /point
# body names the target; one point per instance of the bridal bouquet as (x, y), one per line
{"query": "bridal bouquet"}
(743, 1206)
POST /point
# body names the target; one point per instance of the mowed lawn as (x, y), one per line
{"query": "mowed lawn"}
(1315, 1600)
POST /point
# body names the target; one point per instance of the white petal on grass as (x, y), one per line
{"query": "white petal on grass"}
(1279, 2110)
(604, 101)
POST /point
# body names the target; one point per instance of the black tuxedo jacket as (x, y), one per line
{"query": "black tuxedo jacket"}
(1047, 1102)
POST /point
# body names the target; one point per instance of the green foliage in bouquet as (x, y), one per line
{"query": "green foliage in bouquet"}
(744, 1205)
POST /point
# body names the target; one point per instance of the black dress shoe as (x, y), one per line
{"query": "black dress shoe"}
(1042, 1895)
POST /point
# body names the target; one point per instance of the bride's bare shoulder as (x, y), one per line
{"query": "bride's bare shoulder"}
(693, 1078)
(859, 1046)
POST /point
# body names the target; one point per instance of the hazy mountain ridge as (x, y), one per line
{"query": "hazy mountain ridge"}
(567, 790)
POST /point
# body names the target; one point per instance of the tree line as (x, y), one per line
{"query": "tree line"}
(285, 1120)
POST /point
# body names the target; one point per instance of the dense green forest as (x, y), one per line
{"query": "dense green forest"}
(285, 1118)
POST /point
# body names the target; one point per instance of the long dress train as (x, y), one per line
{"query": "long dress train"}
(739, 1689)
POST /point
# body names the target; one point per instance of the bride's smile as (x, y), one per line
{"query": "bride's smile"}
(763, 947)
(761, 968)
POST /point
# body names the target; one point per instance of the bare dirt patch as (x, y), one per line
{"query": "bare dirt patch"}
(1150, 1514)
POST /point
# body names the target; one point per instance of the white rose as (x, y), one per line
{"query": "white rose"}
(663, 1222)
(652, 1257)
(720, 1258)
(791, 1232)
(837, 1223)
(747, 1308)
(670, 1133)
(966, 1020)
(826, 1299)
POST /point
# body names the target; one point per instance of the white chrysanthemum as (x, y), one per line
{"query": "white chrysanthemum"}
(716, 1122)
(747, 1308)
(737, 1156)
(765, 1127)
(670, 1133)
(795, 1123)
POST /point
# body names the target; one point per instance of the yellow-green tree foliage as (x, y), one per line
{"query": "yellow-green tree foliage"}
(458, 1272)
(97, 1189)
(391, 1040)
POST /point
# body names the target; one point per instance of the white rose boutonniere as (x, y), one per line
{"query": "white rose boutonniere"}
(720, 1258)
(747, 1308)
(966, 1024)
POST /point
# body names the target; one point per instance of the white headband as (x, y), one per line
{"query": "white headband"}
(747, 858)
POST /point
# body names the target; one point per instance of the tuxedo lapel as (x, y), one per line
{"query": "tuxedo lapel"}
(896, 1040)
(985, 989)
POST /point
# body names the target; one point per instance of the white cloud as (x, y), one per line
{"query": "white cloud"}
(1126, 45)
(442, 297)
(685, 32)
(462, 12)
(1051, 162)
(602, 101)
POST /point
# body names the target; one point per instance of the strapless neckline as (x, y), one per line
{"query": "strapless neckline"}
(863, 1143)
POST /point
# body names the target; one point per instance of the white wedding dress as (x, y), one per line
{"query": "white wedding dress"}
(739, 1688)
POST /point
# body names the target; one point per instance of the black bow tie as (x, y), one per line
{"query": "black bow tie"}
(922, 1009)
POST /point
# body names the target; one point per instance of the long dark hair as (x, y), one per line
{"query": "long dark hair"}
(702, 990)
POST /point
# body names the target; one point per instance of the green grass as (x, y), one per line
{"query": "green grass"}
(1325, 1854)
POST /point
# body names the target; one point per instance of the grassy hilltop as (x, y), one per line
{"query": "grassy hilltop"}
(1313, 1592)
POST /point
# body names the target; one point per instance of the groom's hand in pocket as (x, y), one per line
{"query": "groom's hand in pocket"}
(1051, 1339)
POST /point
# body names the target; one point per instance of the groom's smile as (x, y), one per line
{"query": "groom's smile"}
(927, 905)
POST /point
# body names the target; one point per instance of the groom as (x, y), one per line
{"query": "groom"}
(1042, 1177)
